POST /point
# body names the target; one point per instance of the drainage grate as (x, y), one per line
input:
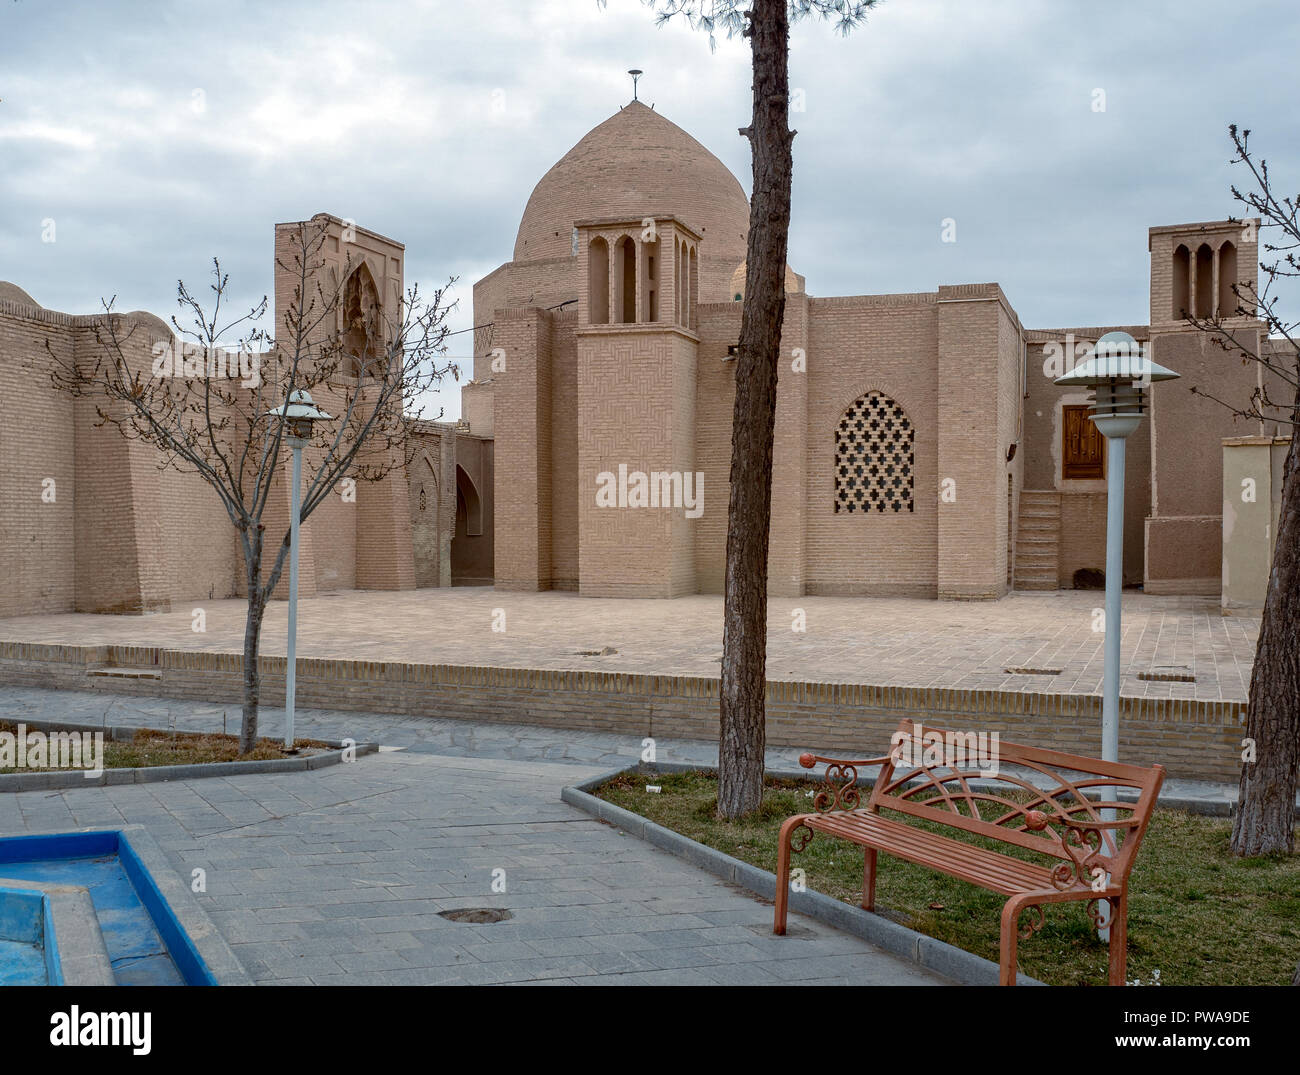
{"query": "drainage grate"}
(1168, 675)
(477, 916)
(1032, 671)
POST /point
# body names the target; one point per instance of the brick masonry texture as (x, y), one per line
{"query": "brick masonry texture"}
(1193, 739)
(576, 398)
(856, 668)
(88, 522)
(958, 362)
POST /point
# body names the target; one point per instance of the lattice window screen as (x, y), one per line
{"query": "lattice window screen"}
(874, 456)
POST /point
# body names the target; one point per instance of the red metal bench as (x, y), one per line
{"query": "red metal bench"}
(1071, 815)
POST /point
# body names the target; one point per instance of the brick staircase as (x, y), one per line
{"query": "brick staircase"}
(1038, 540)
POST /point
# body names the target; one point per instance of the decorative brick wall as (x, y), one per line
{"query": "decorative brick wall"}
(1194, 740)
(522, 416)
(856, 345)
(37, 441)
(123, 536)
(636, 401)
(973, 441)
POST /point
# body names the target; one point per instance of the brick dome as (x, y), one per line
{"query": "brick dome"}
(13, 293)
(635, 162)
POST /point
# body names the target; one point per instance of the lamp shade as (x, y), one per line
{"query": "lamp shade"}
(1116, 357)
(299, 405)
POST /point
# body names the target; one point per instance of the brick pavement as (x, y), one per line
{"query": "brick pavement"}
(885, 641)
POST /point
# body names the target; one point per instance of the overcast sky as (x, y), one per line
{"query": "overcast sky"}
(157, 135)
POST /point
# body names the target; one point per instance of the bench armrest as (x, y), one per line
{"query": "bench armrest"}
(841, 781)
(809, 761)
(1037, 820)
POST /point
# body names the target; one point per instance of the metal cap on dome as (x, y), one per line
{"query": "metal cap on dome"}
(299, 405)
(1116, 357)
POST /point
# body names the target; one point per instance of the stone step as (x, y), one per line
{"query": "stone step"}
(1036, 574)
(1037, 565)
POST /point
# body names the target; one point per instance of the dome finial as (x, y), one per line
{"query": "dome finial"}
(636, 74)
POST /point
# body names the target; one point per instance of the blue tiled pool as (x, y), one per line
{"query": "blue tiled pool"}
(29, 953)
(146, 944)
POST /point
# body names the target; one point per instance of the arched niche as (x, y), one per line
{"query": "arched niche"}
(598, 281)
(1182, 278)
(625, 289)
(1228, 302)
(468, 503)
(1204, 281)
(363, 336)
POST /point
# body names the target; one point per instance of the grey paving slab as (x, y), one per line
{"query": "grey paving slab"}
(297, 903)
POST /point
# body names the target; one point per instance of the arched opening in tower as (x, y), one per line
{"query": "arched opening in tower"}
(1228, 302)
(627, 279)
(1204, 281)
(363, 338)
(1182, 282)
(598, 282)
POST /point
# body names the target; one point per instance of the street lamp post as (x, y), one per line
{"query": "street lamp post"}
(1120, 376)
(298, 412)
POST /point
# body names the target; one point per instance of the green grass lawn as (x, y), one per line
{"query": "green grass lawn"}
(152, 747)
(1197, 915)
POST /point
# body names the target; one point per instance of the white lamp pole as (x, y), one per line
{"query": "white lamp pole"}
(1119, 374)
(291, 668)
(298, 412)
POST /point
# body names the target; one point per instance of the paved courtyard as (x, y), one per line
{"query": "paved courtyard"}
(338, 876)
(885, 641)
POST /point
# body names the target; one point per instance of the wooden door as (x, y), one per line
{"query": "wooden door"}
(1082, 449)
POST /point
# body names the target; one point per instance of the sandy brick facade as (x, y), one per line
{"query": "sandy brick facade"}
(89, 522)
(649, 384)
(920, 439)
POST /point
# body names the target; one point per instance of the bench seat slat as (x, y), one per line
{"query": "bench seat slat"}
(988, 869)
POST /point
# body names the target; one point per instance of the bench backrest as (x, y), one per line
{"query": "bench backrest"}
(930, 777)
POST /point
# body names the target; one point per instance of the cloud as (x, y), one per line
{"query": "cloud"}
(158, 141)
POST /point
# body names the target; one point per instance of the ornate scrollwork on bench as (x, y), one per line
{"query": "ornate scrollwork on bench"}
(841, 790)
(1035, 922)
(840, 784)
(1095, 915)
(1082, 841)
(1083, 846)
(800, 837)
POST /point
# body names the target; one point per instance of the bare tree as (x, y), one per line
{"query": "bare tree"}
(205, 408)
(1265, 819)
(743, 695)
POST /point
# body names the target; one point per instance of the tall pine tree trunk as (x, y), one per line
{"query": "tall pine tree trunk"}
(744, 664)
(1265, 820)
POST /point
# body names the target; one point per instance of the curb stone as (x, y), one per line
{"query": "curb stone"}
(77, 778)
